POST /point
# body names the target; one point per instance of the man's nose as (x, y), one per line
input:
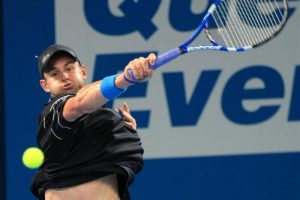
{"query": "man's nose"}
(65, 75)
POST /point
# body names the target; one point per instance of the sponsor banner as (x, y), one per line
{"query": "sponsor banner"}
(206, 103)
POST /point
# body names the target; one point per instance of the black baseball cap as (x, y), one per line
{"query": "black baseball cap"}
(52, 50)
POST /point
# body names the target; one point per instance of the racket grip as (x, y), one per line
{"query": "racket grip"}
(166, 57)
(161, 60)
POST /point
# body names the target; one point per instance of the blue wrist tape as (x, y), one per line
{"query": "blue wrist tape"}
(109, 89)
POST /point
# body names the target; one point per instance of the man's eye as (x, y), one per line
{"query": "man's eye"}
(54, 74)
(69, 68)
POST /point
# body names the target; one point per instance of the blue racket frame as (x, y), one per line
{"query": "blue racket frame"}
(184, 48)
(174, 53)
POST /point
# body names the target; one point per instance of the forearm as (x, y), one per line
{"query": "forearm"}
(92, 97)
(89, 98)
(95, 95)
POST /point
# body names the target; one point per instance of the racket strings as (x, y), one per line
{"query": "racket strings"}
(240, 35)
(253, 36)
(255, 20)
(242, 23)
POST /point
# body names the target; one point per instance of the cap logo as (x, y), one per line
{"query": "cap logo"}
(45, 58)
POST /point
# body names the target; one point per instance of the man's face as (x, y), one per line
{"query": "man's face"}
(65, 76)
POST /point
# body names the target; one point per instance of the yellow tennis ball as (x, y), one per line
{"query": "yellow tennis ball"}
(33, 157)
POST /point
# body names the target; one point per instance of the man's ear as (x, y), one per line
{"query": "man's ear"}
(44, 85)
(84, 71)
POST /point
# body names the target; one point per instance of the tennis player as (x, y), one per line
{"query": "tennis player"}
(91, 152)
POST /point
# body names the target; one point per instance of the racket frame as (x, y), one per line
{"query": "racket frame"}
(184, 48)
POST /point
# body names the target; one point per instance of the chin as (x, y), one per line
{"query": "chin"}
(72, 91)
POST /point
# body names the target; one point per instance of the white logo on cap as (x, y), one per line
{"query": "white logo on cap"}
(45, 58)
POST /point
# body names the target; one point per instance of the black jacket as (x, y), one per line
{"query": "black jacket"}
(93, 146)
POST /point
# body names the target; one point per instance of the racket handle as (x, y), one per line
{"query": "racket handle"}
(166, 57)
(161, 60)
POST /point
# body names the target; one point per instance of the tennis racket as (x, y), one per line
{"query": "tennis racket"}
(233, 26)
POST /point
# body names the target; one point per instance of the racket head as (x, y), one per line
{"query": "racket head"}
(239, 25)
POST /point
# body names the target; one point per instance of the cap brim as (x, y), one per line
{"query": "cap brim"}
(47, 64)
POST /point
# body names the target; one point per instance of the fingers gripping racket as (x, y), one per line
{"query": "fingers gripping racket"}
(233, 26)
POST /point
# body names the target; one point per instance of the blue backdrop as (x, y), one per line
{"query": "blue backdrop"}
(2, 138)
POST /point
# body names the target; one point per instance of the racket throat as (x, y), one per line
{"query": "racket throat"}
(209, 37)
(183, 49)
